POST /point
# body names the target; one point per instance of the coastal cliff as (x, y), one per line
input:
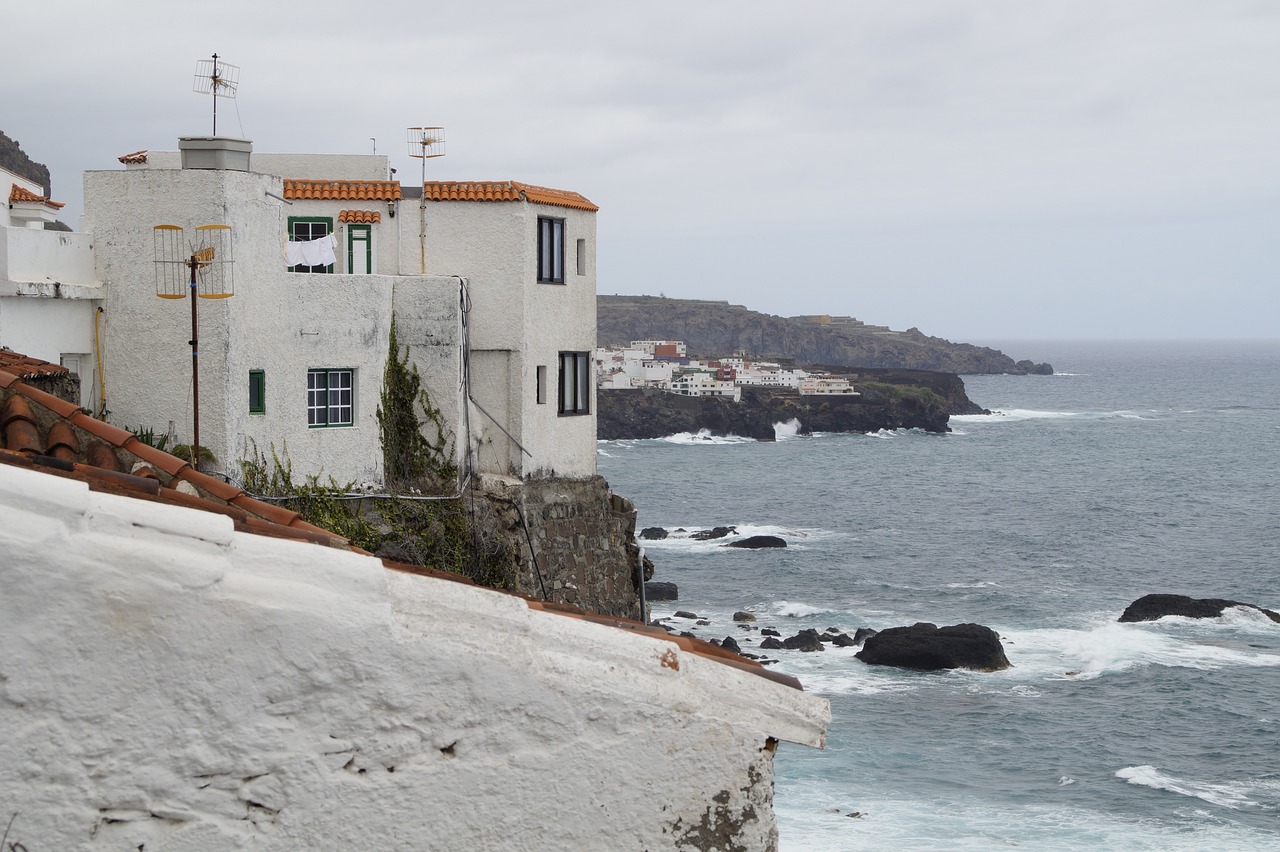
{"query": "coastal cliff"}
(718, 328)
(652, 413)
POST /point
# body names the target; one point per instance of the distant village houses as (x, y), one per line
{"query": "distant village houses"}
(665, 364)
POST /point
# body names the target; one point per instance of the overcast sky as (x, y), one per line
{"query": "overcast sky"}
(996, 169)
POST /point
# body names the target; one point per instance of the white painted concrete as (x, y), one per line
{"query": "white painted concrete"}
(171, 684)
(495, 245)
(285, 323)
(49, 294)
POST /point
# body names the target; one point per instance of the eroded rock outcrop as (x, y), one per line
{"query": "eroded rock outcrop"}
(927, 647)
(1152, 607)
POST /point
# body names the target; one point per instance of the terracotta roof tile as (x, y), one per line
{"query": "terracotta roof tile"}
(24, 367)
(113, 435)
(134, 159)
(360, 216)
(18, 194)
(342, 190)
(555, 197)
(160, 460)
(470, 190)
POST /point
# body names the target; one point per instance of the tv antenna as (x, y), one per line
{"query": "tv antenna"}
(208, 260)
(218, 79)
(425, 143)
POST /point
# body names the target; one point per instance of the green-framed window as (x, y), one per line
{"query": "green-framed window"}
(305, 229)
(257, 392)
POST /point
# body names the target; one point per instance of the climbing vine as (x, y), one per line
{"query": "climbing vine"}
(411, 460)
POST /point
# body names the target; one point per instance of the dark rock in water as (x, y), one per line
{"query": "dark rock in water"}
(805, 640)
(702, 622)
(714, 532)
(769, 631)
(755, 542)
(743, 615)
(927, 647)
(653, 533)
(684, 613)
(862, 633)
(843, 640)
(1151, 607)
(658, 591)
(731, 644)
(771, 644)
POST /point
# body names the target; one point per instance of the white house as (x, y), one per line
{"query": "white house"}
(49, 294)
(529, 253)
(823, 385)
(704, 384)
(326, 251)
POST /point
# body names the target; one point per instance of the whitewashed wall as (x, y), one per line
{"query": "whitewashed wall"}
(517, 324)
(170, 684)
(281, 322)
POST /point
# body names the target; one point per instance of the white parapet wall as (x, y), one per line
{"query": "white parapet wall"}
(169, 683)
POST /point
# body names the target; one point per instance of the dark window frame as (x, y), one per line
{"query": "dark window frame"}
(550, 250)
(575, 383)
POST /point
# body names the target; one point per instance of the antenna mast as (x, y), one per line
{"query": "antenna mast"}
(209, 261)
(425, 143)
(218, 79)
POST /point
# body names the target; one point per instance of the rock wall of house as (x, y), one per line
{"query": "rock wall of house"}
(583, 536)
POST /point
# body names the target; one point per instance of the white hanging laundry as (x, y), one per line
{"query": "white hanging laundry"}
(311, 252)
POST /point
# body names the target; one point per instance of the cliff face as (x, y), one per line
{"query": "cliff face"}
(13, 158)
(718, 328)
(651, 413)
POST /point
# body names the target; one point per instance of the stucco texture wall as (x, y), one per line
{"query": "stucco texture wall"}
(279, 322)
(170, 684)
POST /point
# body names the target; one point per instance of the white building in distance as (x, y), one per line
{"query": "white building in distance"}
(49, 294)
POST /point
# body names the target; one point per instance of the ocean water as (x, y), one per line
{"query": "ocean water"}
(1138, 468)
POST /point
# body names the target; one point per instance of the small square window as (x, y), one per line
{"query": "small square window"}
(330, 397)
(257, 392)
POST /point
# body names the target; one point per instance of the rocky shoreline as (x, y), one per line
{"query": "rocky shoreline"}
(887, 399)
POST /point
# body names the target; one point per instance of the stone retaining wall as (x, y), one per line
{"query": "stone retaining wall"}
(583, 536)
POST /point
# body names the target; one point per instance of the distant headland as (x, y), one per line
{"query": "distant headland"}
(716, 329)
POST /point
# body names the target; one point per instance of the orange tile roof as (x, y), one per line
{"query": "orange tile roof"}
(472, 190)
(342, 190)
(25, 367)
(136, 158)
(360, 216)
(41, 432)
(18, 194)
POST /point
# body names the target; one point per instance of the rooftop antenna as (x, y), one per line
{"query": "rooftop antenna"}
(208, 259)
(218, 79)
(425, 143)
